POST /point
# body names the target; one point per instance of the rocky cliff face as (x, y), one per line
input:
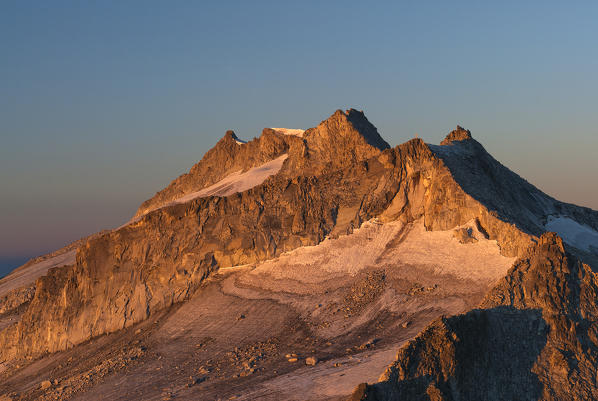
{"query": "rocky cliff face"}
(535, 337)
(535, 334)
(122, 277)
(343, 139)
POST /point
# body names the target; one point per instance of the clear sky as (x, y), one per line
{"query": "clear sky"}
(102, 103)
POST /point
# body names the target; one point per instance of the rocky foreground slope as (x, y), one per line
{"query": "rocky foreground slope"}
(534, 336)
(351, 247)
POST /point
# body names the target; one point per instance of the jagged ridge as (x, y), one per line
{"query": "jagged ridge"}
(226, 157)
(342, 139)
(500, 189)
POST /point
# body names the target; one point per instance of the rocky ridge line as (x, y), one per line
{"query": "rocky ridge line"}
(342, 139)
(229, 155)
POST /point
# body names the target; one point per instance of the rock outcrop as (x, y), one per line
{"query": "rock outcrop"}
(535, 337)
(16, 298)
(456, 135)
(343, 139)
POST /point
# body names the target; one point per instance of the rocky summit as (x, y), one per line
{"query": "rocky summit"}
(317, 264)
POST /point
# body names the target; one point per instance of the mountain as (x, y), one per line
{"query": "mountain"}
(295, 265)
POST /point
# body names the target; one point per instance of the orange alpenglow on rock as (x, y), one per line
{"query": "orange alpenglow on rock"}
(328, 246)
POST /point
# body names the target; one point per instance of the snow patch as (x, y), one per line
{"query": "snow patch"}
(441, 251)
(575, 234)
(27, 275)
(231, 184)
(238, 181)
(289, 131)
(347, 254)
(240, 142)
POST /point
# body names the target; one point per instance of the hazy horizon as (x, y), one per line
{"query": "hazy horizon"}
(104, 104)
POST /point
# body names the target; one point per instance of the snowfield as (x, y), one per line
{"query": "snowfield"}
(238, 181)
(233, 183)
(378, 245)
(575, 234)
(289, 131)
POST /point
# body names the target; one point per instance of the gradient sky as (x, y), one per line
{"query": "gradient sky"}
(102, 103)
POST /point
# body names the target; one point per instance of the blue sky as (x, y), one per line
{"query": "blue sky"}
(103, 103)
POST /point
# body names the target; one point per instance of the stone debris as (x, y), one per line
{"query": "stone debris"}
(311, 361)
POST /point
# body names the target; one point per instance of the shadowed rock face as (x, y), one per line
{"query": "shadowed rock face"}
(556, 282)
(458, 359)
(535, 338)
(501, 190)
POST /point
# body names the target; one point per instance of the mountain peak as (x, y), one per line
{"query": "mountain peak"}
(458, 134)
(358, 119)
(230, 134)
(344, 138)
(351, 123)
